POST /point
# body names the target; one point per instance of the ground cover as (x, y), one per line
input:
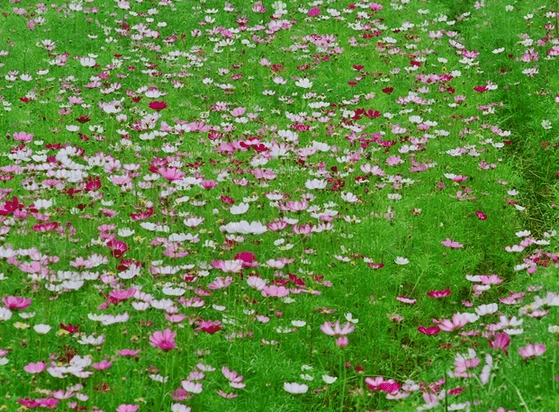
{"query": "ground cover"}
(279, 206)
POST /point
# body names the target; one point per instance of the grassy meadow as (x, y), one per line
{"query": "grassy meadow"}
(279, 205)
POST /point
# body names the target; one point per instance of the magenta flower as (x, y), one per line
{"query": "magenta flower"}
(119, 295)
(480, 215)
(16, 302)
(531, 351)
(163, 340)
(210, 327)
(501, 341)
(315, 11)
(433, 330)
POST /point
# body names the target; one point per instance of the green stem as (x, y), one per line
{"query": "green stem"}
(344, 374)
(523, 403)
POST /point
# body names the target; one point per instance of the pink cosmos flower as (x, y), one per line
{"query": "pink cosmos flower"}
(128, 352)
(170, 173)
(23, 137)
(35, 367)
(458, 320)
(342, 341)
(163, 340)
(127, 408)
(192, 387)
(256, 282)
(531, 351)
(275, 291)
(336, 329)
(220, 283)
(406, 300)
(226, 395)
(451, 244)
(228, 266)
(16, 302)
(258, 7)
(104, 364)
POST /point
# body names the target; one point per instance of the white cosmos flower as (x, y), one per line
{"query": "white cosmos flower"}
(5, 314)
(125, 232)
(239, 209)
(295, 388)
(487, 309)
(350, 197)
(42, 329)
(304, 83)
(315, 184)
(329, 379)
(244, 227)
(87, 61)
(401, 260)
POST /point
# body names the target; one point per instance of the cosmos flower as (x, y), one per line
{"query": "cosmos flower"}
(295, 388)
(532, 350)
(16, 302)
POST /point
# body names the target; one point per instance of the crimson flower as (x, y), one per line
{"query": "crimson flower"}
(118, 248)
(480, 215)
(388, 90)
(439, 293)
(92, 184)
(10, 206)
(157, 105)
(70, 328)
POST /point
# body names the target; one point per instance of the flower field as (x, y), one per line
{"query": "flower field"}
(279, 205)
